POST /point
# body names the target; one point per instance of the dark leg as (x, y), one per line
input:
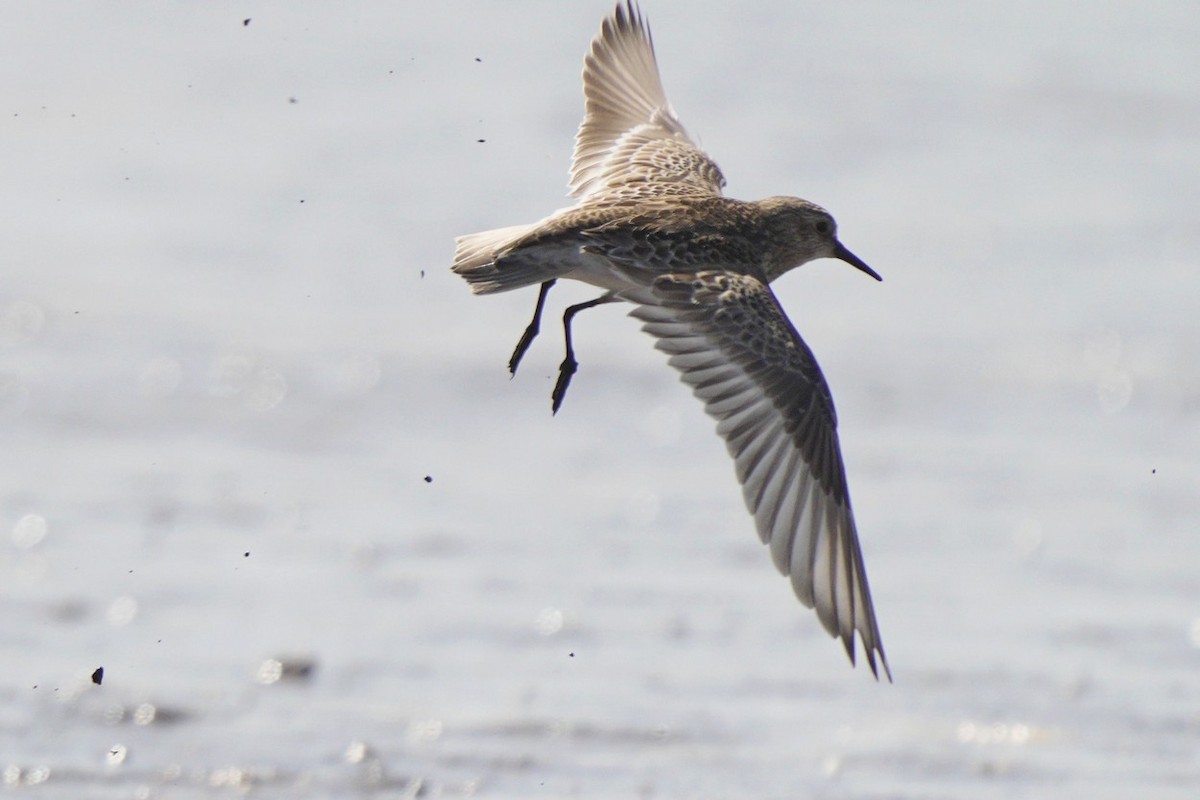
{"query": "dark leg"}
(569, 364)
(530, 332)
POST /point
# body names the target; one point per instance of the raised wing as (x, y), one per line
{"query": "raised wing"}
(630, 139)
(730, 340)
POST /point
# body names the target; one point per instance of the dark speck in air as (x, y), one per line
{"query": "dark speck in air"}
(422, 274)
(246, 22)
(429, 479)
(479, 60)
(98, 676)
(293, 100)
(246, 554)
(481, 141)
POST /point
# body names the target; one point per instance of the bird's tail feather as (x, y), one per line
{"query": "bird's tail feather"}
(475, 259)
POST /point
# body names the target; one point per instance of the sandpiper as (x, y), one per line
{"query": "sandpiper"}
(651, 227)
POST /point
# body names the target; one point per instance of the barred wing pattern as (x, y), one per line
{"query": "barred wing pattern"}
(730, 340)
(630, 140)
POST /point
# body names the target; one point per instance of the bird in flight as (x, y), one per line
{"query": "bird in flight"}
(651, 227)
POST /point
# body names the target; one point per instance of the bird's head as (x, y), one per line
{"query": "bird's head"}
(801, 231)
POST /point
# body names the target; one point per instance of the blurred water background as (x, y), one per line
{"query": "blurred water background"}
(263, 463)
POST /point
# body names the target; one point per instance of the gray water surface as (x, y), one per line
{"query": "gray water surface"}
(262, 460)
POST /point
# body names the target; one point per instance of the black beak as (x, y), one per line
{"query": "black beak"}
(840, 251)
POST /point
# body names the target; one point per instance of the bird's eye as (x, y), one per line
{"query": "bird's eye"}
(822, 226)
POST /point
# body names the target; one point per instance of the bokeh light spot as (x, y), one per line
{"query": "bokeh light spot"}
(121, 611)
(30, 530)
